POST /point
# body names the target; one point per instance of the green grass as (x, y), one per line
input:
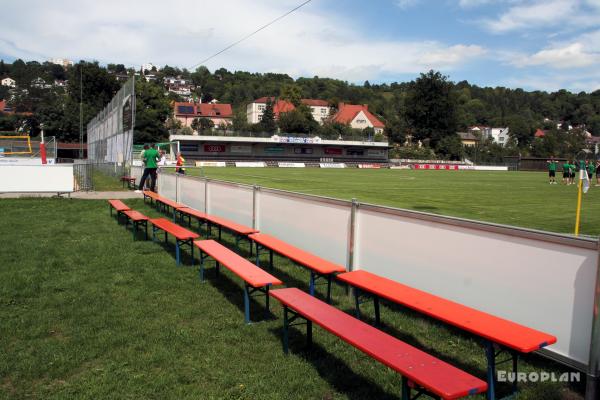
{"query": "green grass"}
(107, 183)
(523, 199)
(88, 313)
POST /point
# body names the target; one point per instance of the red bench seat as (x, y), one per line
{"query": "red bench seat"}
(416, 367)
(318, 266)
(182, 236)
(514, 337)
(255, 278)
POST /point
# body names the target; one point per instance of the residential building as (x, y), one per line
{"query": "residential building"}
(469, 139)
(148, 67)
(357, 116)
(40, 83)
(219, 114)
(62, 61)
(9, 82)
(539, 133)
(498, 135)
(60, 83)
(150, 77)
(319, 108)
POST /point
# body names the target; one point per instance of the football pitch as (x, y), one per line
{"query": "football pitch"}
(523, 199)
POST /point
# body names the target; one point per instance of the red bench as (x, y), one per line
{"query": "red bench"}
(420, 371)
(182, 236)
(130, 180)
(137, 219)
(118, 206)
(319, 267)
(162, 203)
(255, 279)
(498, 332)
(240, 231)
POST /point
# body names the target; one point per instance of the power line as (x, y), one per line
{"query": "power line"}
(251, 34)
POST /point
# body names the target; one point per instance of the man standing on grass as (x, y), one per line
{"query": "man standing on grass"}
(552, 170)
(566, 172)
(151, 157)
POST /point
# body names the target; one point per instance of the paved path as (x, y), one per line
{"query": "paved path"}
(126, 194)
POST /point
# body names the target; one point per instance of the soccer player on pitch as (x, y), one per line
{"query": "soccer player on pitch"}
(552, 163)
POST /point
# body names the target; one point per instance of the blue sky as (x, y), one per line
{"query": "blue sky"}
(532, 44)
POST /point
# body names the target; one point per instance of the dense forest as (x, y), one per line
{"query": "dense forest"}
(427, 111)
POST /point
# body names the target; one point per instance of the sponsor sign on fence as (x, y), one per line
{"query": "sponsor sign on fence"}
(250, 164)
(332, 165)
(369, 166)
(436, 166)
(210, 164)
(291, 165)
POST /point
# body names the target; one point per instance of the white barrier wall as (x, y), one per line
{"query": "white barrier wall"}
(36, 178)
(541, 280)
(540, 284)
(167, 185)
(318, 226)
(191, 192)
(137, 172)
(231, 201)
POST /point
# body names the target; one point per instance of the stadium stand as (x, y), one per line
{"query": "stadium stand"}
(255, 279)
(420, 371)
(505, 335)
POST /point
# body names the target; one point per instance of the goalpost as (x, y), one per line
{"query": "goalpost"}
(15, 145)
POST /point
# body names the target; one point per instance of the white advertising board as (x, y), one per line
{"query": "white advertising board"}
(332, 165)
(36, 178)
(250, 164)
(291, 165)
(210, 164)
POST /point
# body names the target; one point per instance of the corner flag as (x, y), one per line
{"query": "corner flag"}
(584, 185)
(583, 176)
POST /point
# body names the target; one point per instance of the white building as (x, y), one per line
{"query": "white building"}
(148, 67)
(319, 108)
(9, 82)
(358, 116)
(62, 61)
(498, 135)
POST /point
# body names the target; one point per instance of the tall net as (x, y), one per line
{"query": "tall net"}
(110, 133)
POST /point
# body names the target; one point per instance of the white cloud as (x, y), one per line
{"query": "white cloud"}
(473, 3)
(183, 33)
(582, 51)
(404, 4)
(530, 16)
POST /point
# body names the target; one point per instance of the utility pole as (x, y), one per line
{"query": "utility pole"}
(81, 110)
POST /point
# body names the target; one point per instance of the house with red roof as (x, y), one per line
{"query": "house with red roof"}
(357, 116)
(219, 114)
(319, 108)
(539, 133)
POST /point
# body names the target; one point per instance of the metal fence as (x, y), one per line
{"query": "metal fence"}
(110, 133)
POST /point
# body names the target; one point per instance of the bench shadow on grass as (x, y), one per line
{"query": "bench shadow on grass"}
(332, 368)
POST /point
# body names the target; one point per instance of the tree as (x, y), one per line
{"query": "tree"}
(520, 130)
(299, 120)
(450, 147)
(202, 125)
(240, 122)
(395, 130)
(431, 107)
(291, 93)
(267, 122)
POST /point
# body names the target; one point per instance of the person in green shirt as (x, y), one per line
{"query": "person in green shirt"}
(591, 168)
(566, 172)
(151, 157)
(572, 176)
(552, 170)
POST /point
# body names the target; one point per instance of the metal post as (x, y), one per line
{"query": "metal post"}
(254, 190)
(352, 235)
(206, 195)
(593, 372)
(176, 189)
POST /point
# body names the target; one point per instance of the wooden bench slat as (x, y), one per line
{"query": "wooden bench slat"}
(135, 215)
(151, 194)
(496, 329)
(174, 229)
(300, 256)
(192, 212)
(118, 205)
(253, 275)
(423, 369)
(230, 225)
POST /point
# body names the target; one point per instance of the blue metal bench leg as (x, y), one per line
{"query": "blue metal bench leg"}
(405, 389)
(177, 251)
(267, 311)
(329, 289)
(490, 355)
(246, 304)
(153, 233)
(285, 330)
(312, 284)
(201, 266)
(357, 302)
